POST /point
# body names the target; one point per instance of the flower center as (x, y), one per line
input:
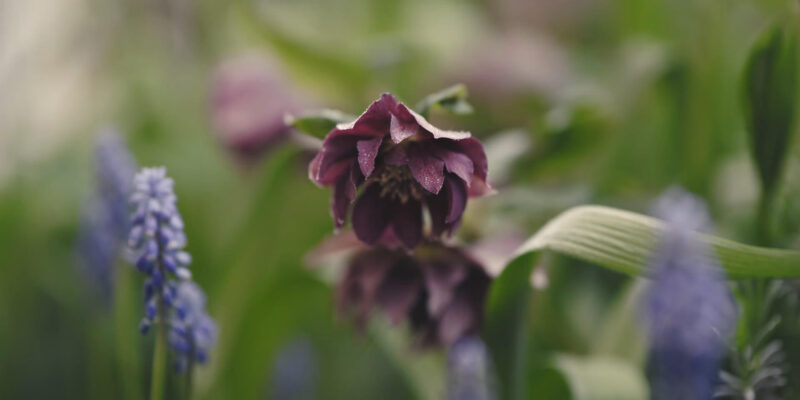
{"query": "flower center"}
(397, 183)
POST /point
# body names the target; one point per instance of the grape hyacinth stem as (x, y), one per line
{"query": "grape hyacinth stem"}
(160, 349)
(189, 376)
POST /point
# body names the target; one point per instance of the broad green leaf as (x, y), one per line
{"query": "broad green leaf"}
(601, 378)
(317, 123)
(624, 241)
(506, 329)
(452, 99)
(621, 335)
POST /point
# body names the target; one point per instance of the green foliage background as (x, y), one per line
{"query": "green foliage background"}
(647, 96)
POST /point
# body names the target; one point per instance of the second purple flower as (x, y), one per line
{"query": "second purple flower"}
(405, 164)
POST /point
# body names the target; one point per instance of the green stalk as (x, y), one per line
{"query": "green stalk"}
(189, 375)
(127, 353)
(160, 349)
(159, 355)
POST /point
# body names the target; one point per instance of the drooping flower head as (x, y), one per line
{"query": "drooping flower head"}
(689, 311)
(405, 164)
(439, 290)
(249, 98)
(469, 370)
(157, 237)
(105, 224)
(192, 331)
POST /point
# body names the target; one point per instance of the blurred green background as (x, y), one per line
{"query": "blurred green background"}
(611, 101)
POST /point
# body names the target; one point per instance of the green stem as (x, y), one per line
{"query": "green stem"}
(159, 354)
(189, 375)
(127, 354)
(160, 349)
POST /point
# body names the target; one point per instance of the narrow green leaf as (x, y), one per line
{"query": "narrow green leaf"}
(317, 123)
(770, 100)
(452, 99)
(624, 241)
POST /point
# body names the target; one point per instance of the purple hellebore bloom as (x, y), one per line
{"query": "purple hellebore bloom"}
(404, 164)
(440, 290)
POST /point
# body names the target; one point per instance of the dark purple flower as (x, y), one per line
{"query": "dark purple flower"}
(405, 164)
(689, 310)
(439, 290)
(249, 100)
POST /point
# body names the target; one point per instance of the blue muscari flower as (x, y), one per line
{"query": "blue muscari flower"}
(104, 224)
(469, 370)
(689, 310)
(192, 331)
(295, 372)
(157, 237)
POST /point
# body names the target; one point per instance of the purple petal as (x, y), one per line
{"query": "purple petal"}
(437, 208)
(474, 150)
(447, 207)
(343, 194)
(375, 119)
(426, 169)
(457, 200)
(457, 320)
(441, 280)
(464, 315)
(367, 151)
(370, 215)
(360, 284)
(401, 130)
(341, 142)
(457, 163)
(338, 150)
(399, 291)
(407, 223)
(436, 132)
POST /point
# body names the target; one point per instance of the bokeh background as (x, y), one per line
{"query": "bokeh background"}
(579, 101)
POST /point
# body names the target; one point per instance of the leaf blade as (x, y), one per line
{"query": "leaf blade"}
(624, 241)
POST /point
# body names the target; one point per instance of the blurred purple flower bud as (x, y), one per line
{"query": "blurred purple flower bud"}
(104, 224)
(439, 290)
(193, 332)
(689, 311)
(405, 164)
(469, 371)
(295, 372)
(250, 97)
(504, 68)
